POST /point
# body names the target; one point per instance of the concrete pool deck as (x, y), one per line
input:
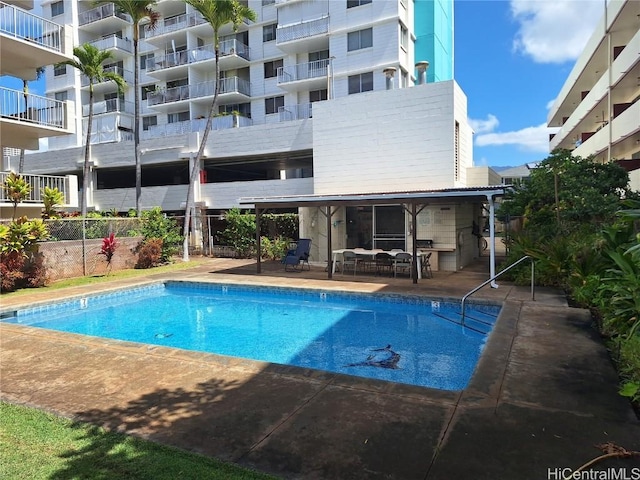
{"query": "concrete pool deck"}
(543, 396)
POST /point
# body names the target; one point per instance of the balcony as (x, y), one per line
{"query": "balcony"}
(25, 118)
(103, 19)
(68, 185)
(115, 44)
(28, 42)
(109, 127)
(233, 54)
(230, 90)
(173, 24)
(295, 112)
(113, 105)
(305, 76)
(304, 36)
(222, 122)
(108, 85)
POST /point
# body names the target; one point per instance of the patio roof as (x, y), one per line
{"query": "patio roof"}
(411, 199)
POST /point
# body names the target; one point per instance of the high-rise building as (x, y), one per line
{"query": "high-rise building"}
(29, 42)
(598, 107)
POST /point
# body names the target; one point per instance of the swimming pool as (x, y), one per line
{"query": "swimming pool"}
(401, 339)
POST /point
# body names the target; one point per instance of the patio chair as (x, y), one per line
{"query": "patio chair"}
(402, 261)
(426, 266)
(384, 262)
(349, 260)
(298, 257)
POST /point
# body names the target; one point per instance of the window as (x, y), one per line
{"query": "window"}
(57, 8)
(271, 68)
(356, 3)
(272, 104)
(178, 117)
(404, 37)
(360, 39)
(61, 96)
(59, 70)
(319, 55)
(360, 83)
(269, 32)
(404, 78)
(317, 95)
(146, 61)
(145, 90)
(149, 122)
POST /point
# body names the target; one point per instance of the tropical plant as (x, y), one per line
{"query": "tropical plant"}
(89, 61)
(18, 241)
(109, 245)
(138, 10)
(51, 197)
(217, 13)
(155, 224)
(240, 232)
(274, 249)
(25, 93)
(17, 190)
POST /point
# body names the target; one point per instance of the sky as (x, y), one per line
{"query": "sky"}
(511, 58)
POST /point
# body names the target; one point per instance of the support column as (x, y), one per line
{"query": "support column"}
(414, 241)
(258, 246)
(492, 239)
(329, 249)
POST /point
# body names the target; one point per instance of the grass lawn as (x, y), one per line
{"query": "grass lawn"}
(36, 445)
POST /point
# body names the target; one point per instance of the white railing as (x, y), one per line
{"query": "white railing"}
(101, 12)
(113, 41)
(31, 108)
(294, 112)
(173, 24)
(302, 30)
(303, 71)
(109, 106)
(204, 89)
(127, 75)
(200, 54)
(22, 24)
(221, 122)
(37, 184)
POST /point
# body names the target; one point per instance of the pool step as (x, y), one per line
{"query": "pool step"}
(478, 327)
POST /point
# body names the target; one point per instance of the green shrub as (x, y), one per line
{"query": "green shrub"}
(274, 249)
(149, 253)
(155, 224)
(240, 232)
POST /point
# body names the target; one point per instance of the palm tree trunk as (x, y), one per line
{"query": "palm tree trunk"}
(136, 117)
(87, 155)
(188, 213)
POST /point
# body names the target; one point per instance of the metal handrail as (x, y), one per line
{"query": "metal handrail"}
(483, 284)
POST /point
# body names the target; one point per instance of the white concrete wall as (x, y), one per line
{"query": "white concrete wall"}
(389, 141)
(482, 177)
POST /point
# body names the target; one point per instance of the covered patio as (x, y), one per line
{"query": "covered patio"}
(413, 203)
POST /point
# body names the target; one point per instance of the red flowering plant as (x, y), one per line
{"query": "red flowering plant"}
(109, 245)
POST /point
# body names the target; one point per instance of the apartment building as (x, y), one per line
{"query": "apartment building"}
(598, 108)
(274, 70)
(28, 42)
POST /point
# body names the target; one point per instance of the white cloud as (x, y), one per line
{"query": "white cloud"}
(550, 103)
(554, 31)
(484, 126)
(533, 139)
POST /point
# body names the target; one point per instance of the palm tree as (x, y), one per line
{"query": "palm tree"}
(218, 13)
(25, 93)
(89, 62)
(138, 10)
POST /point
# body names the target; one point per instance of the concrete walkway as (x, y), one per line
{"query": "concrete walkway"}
(543, 396)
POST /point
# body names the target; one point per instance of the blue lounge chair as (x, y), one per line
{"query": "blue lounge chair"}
(298, 257)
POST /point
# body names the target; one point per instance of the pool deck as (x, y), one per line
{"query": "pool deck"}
(543, 396)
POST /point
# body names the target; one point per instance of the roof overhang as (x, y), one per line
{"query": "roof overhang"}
(448, 195)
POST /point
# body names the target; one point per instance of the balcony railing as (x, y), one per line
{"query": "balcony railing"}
(126, 74)
(100, 13)
(204, 89)
(37, 184)
(294, 112)
(109, 106)
(222, 122)
(206, 52)
(31, 108)
(113, 41)
(19, 23)
(173, 24)
(303, 71)
(302, 30)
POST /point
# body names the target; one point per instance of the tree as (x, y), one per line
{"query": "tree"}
(89, 62)
(25, 93)
(217, 13)
(138, 10)
(17, 189)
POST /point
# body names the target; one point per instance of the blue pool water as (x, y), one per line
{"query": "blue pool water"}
(408, 340)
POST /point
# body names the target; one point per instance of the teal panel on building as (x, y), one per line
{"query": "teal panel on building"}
(434, 37)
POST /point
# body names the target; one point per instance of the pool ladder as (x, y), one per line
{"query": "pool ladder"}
(483, 284)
